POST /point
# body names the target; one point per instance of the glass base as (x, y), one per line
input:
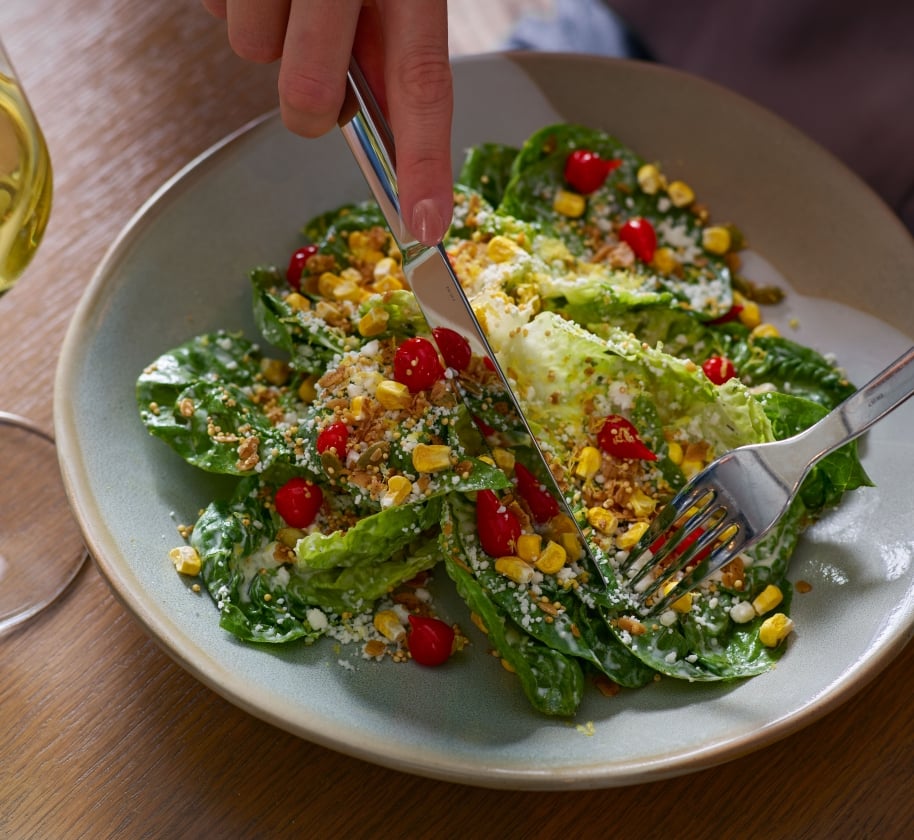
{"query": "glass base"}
(41, 548)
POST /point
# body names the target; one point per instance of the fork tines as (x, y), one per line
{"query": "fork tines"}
(693, 537)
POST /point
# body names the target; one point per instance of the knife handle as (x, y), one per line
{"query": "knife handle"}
(371, 141)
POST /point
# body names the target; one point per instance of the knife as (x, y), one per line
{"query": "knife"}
(438, 292)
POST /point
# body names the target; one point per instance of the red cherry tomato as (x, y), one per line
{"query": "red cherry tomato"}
(335, 436)
(498, 527)
(541, 502)
(718, 369)
(640, 236)
(619, 438)
(586, 171)
(416, 364)
(687, 541)
(298, 502)
(297, 264)
(730, 315)
(454, 348)
(485, 428)
(430, 640)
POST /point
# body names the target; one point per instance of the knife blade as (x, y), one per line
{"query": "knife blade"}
(440, 297)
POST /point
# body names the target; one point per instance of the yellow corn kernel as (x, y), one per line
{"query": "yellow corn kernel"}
(631, 536)
(589, 462)
(508, 666)
(767, 599)
(529, 547)
(716, 239)
(186, 559)
(765, 330)
(327, 282)
(691, 466)
(664, 260)
(562, 523)
(750, 315)
(775, 629)
(390, 283)
(569, 204)
(307, 392)
(514, 568)
(398, 489)
(650, 179)
(601, 519)
(347, 289)
(641, 504)
(275, 371)
(501, 249)
(298, 302)
(392, 394)
(551, 559)
(386, 267)
(674, 452)
(504, 459)
(357, 408)
(388, 624)
(431, 457)
(683, 603)
(374, 321)
(571, 542)
(680, 193)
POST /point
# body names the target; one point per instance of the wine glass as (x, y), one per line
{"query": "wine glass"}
(41, 549)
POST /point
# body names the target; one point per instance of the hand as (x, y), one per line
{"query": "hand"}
(401, 46)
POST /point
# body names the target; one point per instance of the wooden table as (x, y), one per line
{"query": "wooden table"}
(102, 735)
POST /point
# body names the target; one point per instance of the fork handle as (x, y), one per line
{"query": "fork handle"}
(883, 393)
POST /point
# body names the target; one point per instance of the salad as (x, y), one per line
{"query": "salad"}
(616, 307)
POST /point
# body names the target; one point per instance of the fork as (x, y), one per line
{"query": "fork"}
(736, 500)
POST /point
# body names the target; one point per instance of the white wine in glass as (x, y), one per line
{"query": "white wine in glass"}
(40, 546)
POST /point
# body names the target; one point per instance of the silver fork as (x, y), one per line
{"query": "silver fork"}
(735, 501)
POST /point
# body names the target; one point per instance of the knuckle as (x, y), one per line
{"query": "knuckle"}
(255, 49)
(425, 77)
(310, 101)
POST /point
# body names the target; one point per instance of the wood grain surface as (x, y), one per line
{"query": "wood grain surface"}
(101, 735)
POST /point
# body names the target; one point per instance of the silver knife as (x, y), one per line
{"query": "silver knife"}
(438, 292)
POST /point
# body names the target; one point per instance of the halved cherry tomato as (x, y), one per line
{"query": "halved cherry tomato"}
(498, 527)
(541, 502)
(298, 502)
(336, 437)
(297, 264)
(416, 364)
(586, 171)
(430, 640)
(687, 541)
(640, 236)
(454, 348)
(619, 438)
(718, 369)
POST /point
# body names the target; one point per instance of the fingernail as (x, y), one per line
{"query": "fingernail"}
(427, 223)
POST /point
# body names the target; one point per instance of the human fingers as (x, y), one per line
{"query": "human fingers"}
(419, 97)
(257, 28)
(312, 77)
